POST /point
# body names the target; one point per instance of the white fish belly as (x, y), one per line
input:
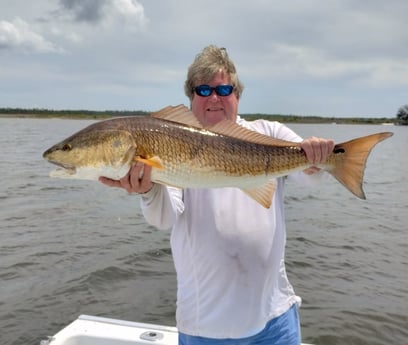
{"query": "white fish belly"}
(92, 173)
(207, 179)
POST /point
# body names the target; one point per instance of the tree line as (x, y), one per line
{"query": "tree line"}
(35, 112)
(402, 115)
(400, 119)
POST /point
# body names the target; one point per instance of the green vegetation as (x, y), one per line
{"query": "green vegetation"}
(402, 115)
(401, 118)
(88, 114)
(71, 114)
(319, 119)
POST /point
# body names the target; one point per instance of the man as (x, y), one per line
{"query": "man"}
(228, 250)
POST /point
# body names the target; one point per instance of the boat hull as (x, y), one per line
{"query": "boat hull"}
(94, 330)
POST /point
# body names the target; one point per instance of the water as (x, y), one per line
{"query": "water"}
(76, 247)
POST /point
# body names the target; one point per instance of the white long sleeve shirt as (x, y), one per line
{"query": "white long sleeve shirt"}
(228, 252)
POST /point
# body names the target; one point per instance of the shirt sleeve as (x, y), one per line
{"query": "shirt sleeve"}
(161, 206)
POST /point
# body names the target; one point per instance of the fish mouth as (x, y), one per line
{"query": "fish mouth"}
(62, 165)
(63, 169)
(63, 172)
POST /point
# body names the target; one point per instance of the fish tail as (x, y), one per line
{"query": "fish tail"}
(349, 170)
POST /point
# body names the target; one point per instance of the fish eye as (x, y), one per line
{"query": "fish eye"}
(66, 147)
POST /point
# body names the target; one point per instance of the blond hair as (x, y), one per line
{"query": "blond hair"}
(206, 65)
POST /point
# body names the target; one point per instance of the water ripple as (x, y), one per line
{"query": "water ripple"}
(77, 247)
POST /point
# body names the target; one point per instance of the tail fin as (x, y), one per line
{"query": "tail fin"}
(350, 169)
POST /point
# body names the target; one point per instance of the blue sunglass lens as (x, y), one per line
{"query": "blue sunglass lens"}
(203, 90)
(220, 90)
(223, 90)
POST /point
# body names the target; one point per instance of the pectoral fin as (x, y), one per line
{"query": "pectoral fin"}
(263, 194)
(154, 162)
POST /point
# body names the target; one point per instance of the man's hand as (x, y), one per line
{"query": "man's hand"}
(137, 180)
(317, 150)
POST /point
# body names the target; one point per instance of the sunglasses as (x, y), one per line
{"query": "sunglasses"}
(207, 90)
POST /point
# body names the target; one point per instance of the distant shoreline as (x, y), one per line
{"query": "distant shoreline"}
(101, 115)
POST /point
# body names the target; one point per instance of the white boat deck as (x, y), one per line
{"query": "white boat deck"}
(93, 330)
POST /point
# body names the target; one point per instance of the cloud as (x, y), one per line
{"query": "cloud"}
(291, 62)
(125, 13)
(131, 12)
(85, 10)
(118, 52)
(18, 34)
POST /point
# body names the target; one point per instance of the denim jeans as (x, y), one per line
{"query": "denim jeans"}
(283, 330)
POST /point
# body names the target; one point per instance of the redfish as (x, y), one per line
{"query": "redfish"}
(185, 154)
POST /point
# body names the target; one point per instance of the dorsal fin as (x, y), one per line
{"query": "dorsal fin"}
(232, 129)
(180, 114)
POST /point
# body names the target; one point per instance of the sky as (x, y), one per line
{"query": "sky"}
(342, 58)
